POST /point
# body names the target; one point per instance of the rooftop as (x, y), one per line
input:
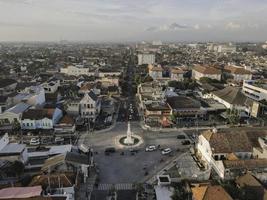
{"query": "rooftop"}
(19, 108)
(231, 95)
(206, 69)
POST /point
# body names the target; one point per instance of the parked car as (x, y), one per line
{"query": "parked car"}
(134, 150)
(180, 137)
(151, 148)
(186, 142)
(59, 139)
(45, 141)
(166, 151)
(35, 141)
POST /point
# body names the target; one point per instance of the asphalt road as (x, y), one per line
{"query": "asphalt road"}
(127, 168)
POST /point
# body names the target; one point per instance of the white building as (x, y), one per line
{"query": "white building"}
(51, 86)
(90, 106)
(255, 89)
(146, 59)
(40, 118)
(214, 147)
(200, 71)
(13, 114)
(177, 74)
(12, 151)
(226, 49)
(77, 70)
(238, 74)
(155, 72)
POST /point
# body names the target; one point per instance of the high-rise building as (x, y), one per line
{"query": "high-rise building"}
(146, 59)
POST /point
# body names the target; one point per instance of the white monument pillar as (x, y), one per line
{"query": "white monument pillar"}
(129, 139)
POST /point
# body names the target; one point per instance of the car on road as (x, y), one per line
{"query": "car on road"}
(59, 139)
(151, 148)
(35, 141)
(186, 142)
(166, 151)
(180, 137)
(110, 150)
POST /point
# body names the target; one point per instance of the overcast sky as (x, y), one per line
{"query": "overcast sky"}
(132, 20)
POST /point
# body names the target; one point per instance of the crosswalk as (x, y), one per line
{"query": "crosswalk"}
(119, 186)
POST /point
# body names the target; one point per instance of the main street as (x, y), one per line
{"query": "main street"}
(124, 166)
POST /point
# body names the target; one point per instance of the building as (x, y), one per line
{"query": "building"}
(157, 112)
(12, 151)
(7, 86)
(146, 58)
(34, 96)
(231, 153)
(30, 193)
(237, 74)
(155, 72)
(226, 48)
(177, 74)
(40, 118)
(254, 89)
(231, 98)
(90, 106)
(252, 187)
(184, 107)
(107, 72)
(51, 86)
(65, 125)
(200, 71)
(71, 162)
(210, 192)
(14, 114)
(77, 70)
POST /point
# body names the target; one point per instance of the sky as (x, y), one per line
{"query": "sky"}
(133, 20)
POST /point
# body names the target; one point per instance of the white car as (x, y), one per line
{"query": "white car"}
(59, 139)
(35, 141)
(166, 151)
(151, 148)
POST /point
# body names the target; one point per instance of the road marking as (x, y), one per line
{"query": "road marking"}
(119, 186)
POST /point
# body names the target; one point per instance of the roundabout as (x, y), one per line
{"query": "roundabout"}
(129, 141)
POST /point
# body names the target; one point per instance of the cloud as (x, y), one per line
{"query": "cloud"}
(171, 27)
(196, 26)
(232, 26)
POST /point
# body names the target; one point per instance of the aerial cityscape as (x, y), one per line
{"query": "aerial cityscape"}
(133, 100)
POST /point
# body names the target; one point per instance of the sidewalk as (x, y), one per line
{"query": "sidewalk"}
(159, 129)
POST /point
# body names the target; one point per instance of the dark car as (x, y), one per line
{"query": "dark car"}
(180, 137)
(110, 150)
(186, 142)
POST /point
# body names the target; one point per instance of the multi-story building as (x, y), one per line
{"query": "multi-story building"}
(177, 74)
(254, 89)
(200, 71)
(155, 71)
(146, 58)
(237, 74)
(90, 106)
